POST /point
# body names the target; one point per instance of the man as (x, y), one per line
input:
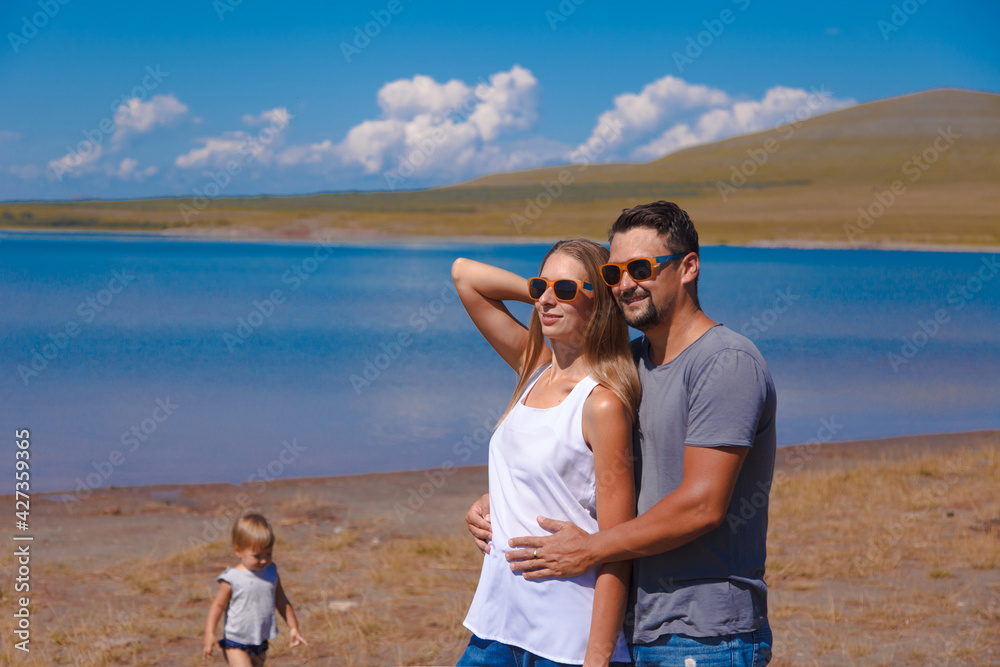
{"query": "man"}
(704, 456)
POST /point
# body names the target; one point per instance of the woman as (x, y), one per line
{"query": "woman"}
(562, 449)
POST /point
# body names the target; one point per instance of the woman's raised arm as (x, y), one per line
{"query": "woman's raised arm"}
(483, 289)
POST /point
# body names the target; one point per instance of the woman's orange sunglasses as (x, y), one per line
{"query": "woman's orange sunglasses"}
(565, 289)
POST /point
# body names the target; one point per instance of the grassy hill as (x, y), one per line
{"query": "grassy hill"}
(859, 145)
(923, 166)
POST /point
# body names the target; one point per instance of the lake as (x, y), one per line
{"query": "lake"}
(142, 360)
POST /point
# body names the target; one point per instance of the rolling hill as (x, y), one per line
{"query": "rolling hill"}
(921, 168)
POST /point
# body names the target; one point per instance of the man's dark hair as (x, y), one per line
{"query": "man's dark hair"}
(668, 219)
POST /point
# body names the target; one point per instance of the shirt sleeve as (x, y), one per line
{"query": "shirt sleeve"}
(226, 576)
(726, 400)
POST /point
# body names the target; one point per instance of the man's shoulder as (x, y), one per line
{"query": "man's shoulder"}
(717, 339)
(721, 338)
(723, 357)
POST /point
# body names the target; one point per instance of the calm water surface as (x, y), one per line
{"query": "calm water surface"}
(140, 361)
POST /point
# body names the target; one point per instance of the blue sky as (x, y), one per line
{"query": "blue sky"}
(122, 100)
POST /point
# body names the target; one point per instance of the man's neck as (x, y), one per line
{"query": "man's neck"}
(672, 336)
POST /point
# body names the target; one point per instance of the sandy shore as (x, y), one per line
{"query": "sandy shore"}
(880, 552)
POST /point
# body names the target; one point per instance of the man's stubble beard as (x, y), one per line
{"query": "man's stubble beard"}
(649, 318)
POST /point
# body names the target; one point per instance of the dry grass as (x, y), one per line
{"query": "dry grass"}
(410, 596)
(867, 520)
(781, 214)
(876, 563)
(882, 556)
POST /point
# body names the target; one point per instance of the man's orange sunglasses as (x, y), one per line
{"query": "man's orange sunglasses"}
(640, 268)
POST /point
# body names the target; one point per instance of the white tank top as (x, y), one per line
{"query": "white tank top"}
(539, 465)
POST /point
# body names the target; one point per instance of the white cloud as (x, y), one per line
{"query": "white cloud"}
(132, 117)
(437, 132)
(137, 117)
(779, 106)
(442, 130)
(277, 117)
(239, 146)
(518, 155)
(406, 98)
(510, 101)
(677, 137)
(127, 170)
(216, 151)
(368, 143)
(639, 114)
(307, 154)
(670, 113)
(76, 163)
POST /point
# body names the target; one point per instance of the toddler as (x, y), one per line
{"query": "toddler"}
(248, 594)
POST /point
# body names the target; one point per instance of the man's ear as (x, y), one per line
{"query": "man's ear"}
(690, 267)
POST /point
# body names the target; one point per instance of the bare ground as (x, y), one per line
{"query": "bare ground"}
(879, 553)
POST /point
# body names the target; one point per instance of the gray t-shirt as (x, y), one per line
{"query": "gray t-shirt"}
(717, 392)
(250, 616)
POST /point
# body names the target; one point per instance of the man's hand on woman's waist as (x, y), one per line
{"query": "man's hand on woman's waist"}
(565, 553)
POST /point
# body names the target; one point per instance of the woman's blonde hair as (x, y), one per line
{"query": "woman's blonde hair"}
(252, 531)
(605, 338)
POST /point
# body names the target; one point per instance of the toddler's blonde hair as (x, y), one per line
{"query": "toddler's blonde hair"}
(252, 531)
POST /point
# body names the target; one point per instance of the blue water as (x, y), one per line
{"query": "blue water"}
(277, 399)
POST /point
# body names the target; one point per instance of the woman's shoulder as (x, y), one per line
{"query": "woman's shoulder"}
(603, 403)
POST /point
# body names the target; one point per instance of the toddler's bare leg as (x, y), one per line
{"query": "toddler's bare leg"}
(237, 657)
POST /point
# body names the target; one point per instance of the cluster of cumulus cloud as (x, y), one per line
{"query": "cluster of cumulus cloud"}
(132, 117)
(439, 132)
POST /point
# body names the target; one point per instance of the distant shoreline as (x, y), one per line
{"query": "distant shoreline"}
(800, 456)
(348, 238)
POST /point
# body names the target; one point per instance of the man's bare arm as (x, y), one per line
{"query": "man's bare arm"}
(697, 506)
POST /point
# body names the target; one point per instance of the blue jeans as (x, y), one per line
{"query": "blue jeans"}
(491, 653)
(747, 649)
